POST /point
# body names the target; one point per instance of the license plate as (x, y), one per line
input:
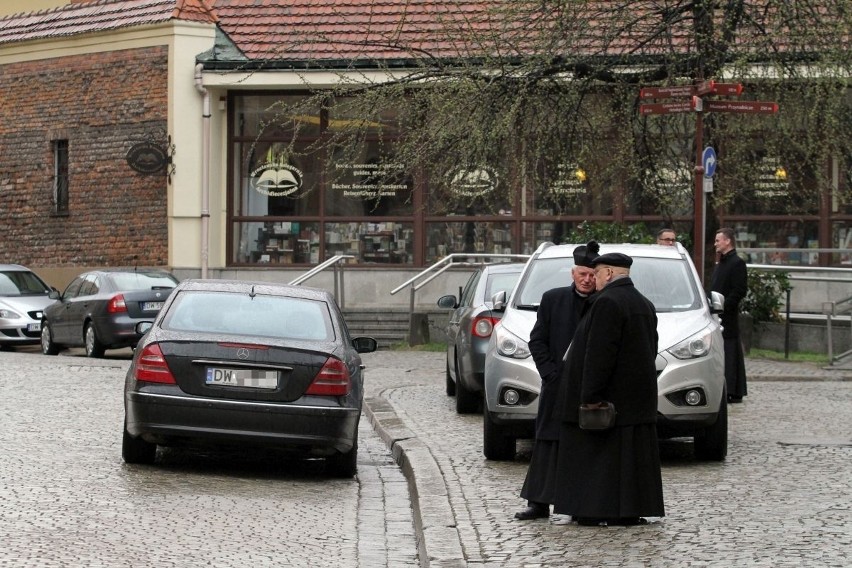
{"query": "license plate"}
(246, 378)
(34, 326)
(152, 306)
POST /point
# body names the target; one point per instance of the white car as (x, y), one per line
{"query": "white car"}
(690, 363)
(23, 298)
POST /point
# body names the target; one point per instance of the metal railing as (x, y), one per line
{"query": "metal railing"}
(831, 309)
(333, 262)
(456, 259)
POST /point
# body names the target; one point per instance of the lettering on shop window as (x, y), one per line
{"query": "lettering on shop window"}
(370, 186)
(276, 179)
(570, 180)
(473, 182)
(771, 179)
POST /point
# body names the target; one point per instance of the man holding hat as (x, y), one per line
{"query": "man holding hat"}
(611, 477)
(558, 314)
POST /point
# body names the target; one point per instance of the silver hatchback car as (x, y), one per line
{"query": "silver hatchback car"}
(690, 363)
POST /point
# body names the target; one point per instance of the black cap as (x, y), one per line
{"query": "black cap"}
(585, 254)
(613, 259)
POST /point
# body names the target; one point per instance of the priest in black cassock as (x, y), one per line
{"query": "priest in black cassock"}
(558, 314)
(730, 278)
(611, 477)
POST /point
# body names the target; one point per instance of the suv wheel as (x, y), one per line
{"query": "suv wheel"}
(467, 401)
(496, 444)
(712, 443)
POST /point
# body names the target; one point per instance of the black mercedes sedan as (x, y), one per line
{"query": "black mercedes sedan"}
(99, 309)
(230, 363)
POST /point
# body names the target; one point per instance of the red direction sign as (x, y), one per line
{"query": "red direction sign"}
(666, 108)
(666, 92)
(756, 107)
(727, 89)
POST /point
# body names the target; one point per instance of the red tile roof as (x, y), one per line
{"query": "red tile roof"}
(100, 15)
(361, 29)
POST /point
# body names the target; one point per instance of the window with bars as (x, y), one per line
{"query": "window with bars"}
(60, 177)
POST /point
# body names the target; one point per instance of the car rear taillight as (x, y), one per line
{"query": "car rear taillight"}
(483, 326)
(151, 367)
(116, 304)
(332, 380)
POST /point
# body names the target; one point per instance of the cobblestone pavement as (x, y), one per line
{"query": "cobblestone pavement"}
(67, 498)
(782, 498)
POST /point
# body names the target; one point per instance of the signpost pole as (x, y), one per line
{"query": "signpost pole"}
(700, 199)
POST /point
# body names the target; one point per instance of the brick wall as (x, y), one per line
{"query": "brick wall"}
(102, 104)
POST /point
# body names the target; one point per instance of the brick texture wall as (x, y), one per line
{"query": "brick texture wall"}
(102, 104)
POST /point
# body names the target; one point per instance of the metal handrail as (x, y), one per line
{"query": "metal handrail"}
(831, 310)
(445, 263)
(339, 289)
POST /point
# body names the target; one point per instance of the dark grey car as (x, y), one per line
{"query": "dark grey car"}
(469, 330)
(242, 364)
(99, 310)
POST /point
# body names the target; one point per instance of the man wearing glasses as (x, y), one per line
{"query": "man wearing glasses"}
(666, 237)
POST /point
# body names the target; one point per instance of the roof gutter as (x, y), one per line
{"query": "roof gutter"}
(205, 170)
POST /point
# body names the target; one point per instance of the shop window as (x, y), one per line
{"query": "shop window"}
(275, 117)
(470, 190)
(568, 188)
(767, 185)
(775, 237)
(60, 177)
(276, 242)
(277, 180)
(371, 243)
(467, 236)
(842, 239)
(367, 182)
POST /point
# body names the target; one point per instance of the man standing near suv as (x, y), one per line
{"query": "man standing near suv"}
(730, 278)
(558, 314)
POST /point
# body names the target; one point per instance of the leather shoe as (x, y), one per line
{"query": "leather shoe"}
(627, 521)
(734, 399)
(533, 512)
(590, 522)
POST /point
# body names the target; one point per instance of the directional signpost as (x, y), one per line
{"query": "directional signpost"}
(692, 100)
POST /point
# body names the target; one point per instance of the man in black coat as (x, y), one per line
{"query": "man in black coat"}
(730, 279)
(558, 314)
(611, 476)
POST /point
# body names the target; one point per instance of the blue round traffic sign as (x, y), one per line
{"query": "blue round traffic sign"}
(708, 161)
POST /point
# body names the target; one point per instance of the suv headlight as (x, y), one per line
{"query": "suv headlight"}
(510, 345)
(697, 345)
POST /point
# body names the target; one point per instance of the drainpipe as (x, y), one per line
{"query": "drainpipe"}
(205, 170)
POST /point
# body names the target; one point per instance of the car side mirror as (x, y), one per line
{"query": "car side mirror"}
(143, 326)
(364, 344)
(498, 301)
(449, 302)
(54, 294)
(717, 303)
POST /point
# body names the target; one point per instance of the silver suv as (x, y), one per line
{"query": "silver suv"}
(690, 363)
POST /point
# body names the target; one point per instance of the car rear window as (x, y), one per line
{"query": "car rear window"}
(241, 314)
(667, 282)
(142, 280)
(21, 283)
